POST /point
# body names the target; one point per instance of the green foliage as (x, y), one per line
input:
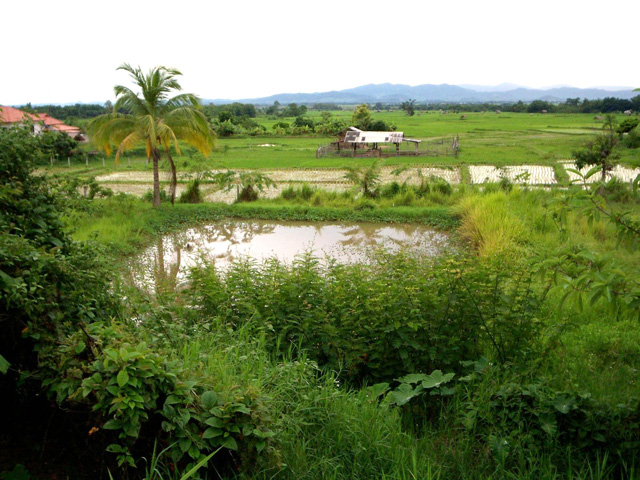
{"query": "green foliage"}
(304, 122)
(154, 119)
(415, 385)
(247, 184)
(192, 194)
(589, 277)
(626, 125)
(48, 284)
(362, 118)
(303, 193)
(57, 145)
(600, 152)
(409, 107)
(418, 316)
(540, 106)
(62, 332)
(516, 417)
(366, 179)
(632, 139)
(225, 128)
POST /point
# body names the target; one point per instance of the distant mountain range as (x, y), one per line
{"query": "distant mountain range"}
(396, 93)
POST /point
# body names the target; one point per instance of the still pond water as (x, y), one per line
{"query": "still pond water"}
(171, 257)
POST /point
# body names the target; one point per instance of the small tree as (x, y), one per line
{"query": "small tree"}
(57, 144)
(362, 117)
(600, 153)
(409, 107)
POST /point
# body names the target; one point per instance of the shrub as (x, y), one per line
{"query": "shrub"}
(517, 419)
(305, 192)
(148, 195)
(62, 333)
(192, 194)
(632, 139)
(379, 321)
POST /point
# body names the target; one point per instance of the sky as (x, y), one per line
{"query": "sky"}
(68, 51)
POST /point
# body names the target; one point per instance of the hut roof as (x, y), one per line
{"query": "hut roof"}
(355, 135)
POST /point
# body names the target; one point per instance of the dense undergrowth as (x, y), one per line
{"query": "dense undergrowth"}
(516, 357)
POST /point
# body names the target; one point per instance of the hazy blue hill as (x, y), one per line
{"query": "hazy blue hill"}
(397, 93)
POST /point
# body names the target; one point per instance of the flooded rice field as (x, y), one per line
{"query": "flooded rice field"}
(170, 258)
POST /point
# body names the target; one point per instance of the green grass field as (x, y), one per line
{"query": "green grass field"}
(485, 138)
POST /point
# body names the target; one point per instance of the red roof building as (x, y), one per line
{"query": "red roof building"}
(41, 121)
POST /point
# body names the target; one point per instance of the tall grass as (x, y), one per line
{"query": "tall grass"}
(488, 225)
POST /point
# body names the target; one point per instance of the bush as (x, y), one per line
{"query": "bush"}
(303, 193)
(192, 194)
(378, 321)
(62, 333)
(148, 195)
(632, 139)
(518, 420)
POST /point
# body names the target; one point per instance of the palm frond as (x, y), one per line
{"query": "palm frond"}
(127, 143)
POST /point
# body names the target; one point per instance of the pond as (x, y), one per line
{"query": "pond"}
(170, 258)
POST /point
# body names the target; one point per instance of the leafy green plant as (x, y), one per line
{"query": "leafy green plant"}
(366, 179)
(192, 194)
(585, 276)
(247, 184)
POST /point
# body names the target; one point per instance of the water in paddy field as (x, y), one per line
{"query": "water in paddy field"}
(170, 258)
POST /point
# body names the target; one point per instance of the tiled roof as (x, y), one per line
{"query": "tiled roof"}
(13, 115)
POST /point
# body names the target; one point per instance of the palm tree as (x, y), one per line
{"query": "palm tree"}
(153, 118)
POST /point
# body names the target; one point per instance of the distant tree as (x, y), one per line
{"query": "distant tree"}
(304, 122)
(409, 107)
(362, 117)
(225, 128)
(537, 106)
(224, 116)
(380, 126)
(326, 106)
(274, 109)
(293, 110)
(626, 125)
(325, 117)
(612, 104)
(330, 125)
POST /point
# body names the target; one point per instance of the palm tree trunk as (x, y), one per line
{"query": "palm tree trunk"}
(156, 177)
(174, 177)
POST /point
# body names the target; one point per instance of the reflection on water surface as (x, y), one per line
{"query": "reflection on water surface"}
(169, 260)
